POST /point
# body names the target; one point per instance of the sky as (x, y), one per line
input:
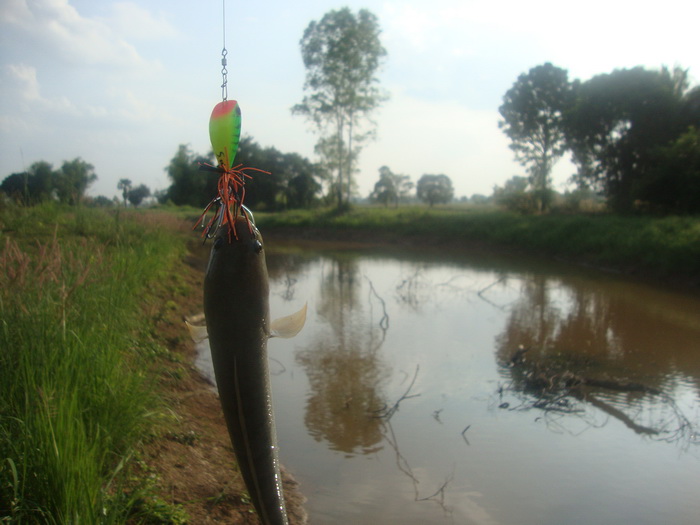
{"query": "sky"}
(122, 84)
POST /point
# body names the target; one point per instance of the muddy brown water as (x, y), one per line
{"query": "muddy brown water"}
(400, 401)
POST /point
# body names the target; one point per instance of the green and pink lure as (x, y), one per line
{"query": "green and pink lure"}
(225, 131)
(225, 134)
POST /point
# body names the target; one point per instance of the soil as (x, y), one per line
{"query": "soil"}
(191, 459)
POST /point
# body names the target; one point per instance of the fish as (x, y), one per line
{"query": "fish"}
(237, 325)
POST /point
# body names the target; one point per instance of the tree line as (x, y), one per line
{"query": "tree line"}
(42, 182)
(67, 185)
(633, 134)
(292, 181)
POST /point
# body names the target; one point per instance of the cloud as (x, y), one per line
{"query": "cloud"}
(20, 85)
(24, 78)
(55, 28)
(134, 22)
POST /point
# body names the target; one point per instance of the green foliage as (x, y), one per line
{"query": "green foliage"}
(73, 180)
(342, 54)
(533, 118)
(390, 187)
(291, 181)
(513, 196)
(434, 189)
(191, 186)
(627, 132)
(667, 247)
(138, 194)
(673, 182)
(619, 122)
(101, 201)
(74, 400)
(42, 183)
(125, 186)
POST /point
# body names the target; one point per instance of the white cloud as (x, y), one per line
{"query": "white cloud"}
(24, 78)
(22, 87)
(55, 28)
(134, 22)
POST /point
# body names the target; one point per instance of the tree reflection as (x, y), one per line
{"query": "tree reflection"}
(343, 365)
(618, 366)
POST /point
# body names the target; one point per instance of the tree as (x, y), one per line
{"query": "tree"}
(302, 187)
(514, 195)
(390, 187)
(40, 182)
(15, 186)
(102, 202)
(533, 118)
(673, 182)
(32, 186)
(273, 190)
(434, 189)
(73, 179)
(189, 184)
(302, 190)
(619, 122)
(137, 194)
(342, 54)
(125, 186)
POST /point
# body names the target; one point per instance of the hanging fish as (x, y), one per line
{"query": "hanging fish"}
(225, 134)
(236, 304)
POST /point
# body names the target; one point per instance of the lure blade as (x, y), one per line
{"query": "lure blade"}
(225, 132)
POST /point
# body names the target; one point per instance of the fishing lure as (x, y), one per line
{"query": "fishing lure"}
(225, 133)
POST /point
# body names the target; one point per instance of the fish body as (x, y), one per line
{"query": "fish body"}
(237, 312)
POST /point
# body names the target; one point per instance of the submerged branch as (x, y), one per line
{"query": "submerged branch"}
(552, 387)
(395, 407)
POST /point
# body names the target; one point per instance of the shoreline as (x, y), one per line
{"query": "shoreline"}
(358, 238)
(192, 460)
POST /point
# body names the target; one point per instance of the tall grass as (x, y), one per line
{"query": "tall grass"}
(74, 399)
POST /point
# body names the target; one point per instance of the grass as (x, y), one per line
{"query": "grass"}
(656, 246)
(75, 399)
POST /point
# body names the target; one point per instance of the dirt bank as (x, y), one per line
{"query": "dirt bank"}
(193, 461)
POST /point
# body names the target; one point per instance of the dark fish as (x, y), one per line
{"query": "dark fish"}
(237, 312)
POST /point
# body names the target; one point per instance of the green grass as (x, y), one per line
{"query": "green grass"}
(74, 398)
(656, 246)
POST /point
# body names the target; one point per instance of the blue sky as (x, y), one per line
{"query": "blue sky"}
(123, 83)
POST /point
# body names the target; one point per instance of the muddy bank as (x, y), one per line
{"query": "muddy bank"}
(192, 459)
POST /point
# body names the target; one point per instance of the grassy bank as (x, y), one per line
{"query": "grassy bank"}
(662, 247)
(75, 394)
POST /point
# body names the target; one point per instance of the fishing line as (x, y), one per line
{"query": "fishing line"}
(224, 71)
(225, 133)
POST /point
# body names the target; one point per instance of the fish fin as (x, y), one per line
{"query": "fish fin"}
(198, 331)
(290, 325)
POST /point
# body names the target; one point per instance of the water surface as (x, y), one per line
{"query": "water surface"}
(400, 401)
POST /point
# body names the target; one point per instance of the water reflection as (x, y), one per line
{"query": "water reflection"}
(388, 403)
(343, 365)
(570, 347)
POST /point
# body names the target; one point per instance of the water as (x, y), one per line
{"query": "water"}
(398, 402)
